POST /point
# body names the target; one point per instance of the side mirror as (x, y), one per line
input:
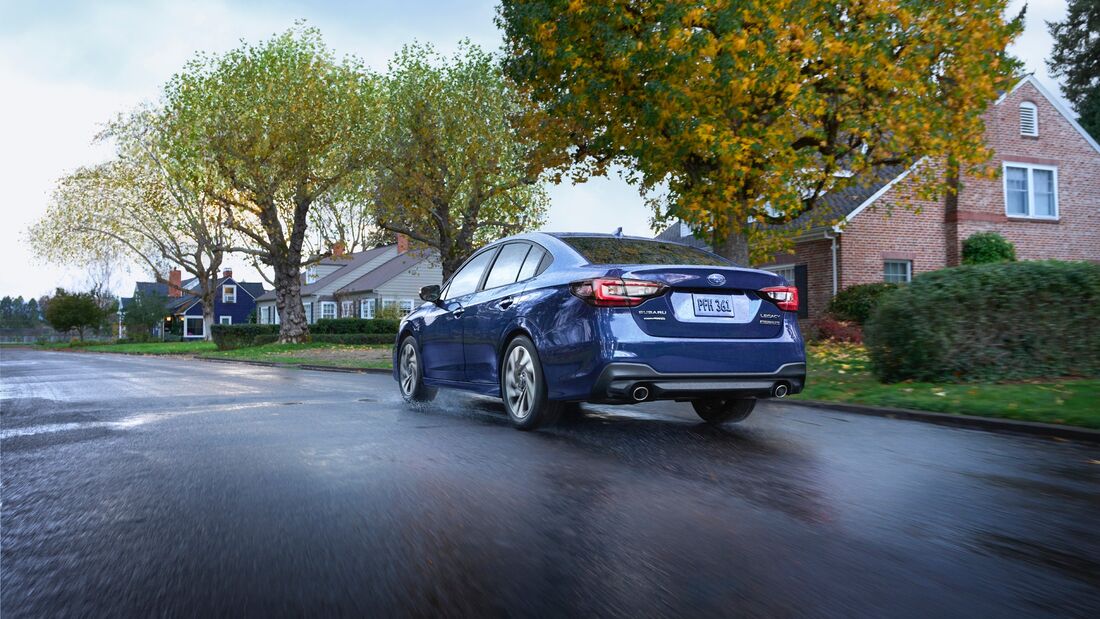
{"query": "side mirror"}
(430, 293)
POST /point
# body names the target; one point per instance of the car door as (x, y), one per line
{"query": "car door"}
(441, 336)
(490, 310)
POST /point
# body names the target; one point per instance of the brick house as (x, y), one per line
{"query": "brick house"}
(1046, 201)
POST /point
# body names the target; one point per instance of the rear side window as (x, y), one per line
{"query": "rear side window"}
(614, 250)
(530, 266)
(506, 268)
(467, 278)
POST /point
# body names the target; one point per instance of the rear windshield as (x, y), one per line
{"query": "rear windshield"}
(612, 250)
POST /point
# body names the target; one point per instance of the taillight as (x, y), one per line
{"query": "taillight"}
(615, 292)
(785, 297)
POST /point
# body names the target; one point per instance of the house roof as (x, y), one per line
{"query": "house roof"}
(352, 261)
(384, 272)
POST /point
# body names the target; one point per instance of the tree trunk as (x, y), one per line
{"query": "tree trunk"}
(208, 308)
(450, 263)
(735, 247)
(288, 301)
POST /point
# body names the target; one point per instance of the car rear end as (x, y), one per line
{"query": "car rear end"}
(684, 331)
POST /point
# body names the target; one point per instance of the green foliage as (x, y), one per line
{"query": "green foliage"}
(351, 339)
(228, 337)
(989, 322)
(986, 248)
(1076, 59)
(855, 303)
(458, 167)
(16, 313)
(354, 325)
(744, 111)
(76, 311)
(143, 313)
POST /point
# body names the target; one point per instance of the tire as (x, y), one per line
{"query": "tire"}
(410, 372)
(523, 386)
(720, 411)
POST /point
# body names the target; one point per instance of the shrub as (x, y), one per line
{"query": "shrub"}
(353, 339)
(228, 337)
(829, 328)
(987, 248)
(855, 303)
(990, 322)
(354, 325)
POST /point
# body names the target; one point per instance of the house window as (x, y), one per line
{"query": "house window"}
(388, 305)
(1031, 190)
(897, 271)
(785, 271)
(193, 326)
(1029, 119)
(225, 320)
(311, 275)
(328, 309)
(345, 309)
(406, 307)
(229, 294)
(309, 312)
(366, 308)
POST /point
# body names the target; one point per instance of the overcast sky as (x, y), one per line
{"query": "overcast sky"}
(66, 66)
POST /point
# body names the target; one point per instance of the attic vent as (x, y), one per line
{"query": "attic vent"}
(1029, 119)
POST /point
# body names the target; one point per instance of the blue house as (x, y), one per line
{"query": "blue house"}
(234, 302)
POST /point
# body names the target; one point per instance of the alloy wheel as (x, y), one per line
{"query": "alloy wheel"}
(519, 382)
(408, 369)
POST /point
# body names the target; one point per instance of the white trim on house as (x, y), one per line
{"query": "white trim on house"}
(366, 309)
(325, 305)
(908, 275)
(1030, 79)
(225, 290)
(878, 194)
(345, 309)
(1029, 119)
(1030, 167)
(225, 320)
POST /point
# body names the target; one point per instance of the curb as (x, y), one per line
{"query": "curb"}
(299, 366)
(1031, 428)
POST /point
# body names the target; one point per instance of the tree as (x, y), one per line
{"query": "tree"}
(274, 128)
(141, 205)
(144, 312)
(77, 311)
(738, 116)
(1076, 59)
(457, 165)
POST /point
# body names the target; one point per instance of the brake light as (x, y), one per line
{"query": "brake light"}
(616, 292)
(785, 297)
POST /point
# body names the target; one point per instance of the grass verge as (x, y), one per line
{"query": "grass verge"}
(337, 355)
(841, 373)
(134, 348)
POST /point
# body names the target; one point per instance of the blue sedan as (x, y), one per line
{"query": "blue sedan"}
(544, 320)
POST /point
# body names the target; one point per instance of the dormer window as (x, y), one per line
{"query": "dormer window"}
(311, 275)
(1029, 119)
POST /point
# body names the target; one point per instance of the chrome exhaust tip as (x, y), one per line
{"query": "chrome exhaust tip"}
(780, 390)
(640, 393)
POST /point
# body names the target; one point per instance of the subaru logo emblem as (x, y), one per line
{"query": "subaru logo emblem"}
(716, 279)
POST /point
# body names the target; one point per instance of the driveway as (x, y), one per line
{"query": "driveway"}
(153, 486)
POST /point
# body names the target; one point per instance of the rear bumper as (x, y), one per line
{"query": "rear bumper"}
(618, 382)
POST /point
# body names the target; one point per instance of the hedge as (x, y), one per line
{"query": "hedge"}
(990, 322)
(354, 325)
(855, 303)
(228, 337)
(986, 248)
(354, 339)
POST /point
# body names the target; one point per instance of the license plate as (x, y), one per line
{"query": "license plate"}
(712, 305)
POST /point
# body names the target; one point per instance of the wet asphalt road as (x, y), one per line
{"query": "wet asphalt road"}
(151, 486)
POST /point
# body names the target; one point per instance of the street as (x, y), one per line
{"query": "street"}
(176, 487)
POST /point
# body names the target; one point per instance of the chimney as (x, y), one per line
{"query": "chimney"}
(402, 243)
(174, 280)
(227, 272)
(338, 249)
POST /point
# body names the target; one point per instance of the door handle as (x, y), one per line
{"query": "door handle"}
(458, 312)
(505, 303)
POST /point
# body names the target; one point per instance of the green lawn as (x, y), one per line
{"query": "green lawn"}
(841, 373)
(152, 348)
(312, 354)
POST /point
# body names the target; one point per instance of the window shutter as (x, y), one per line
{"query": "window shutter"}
(1029, 119)
(800, 281)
